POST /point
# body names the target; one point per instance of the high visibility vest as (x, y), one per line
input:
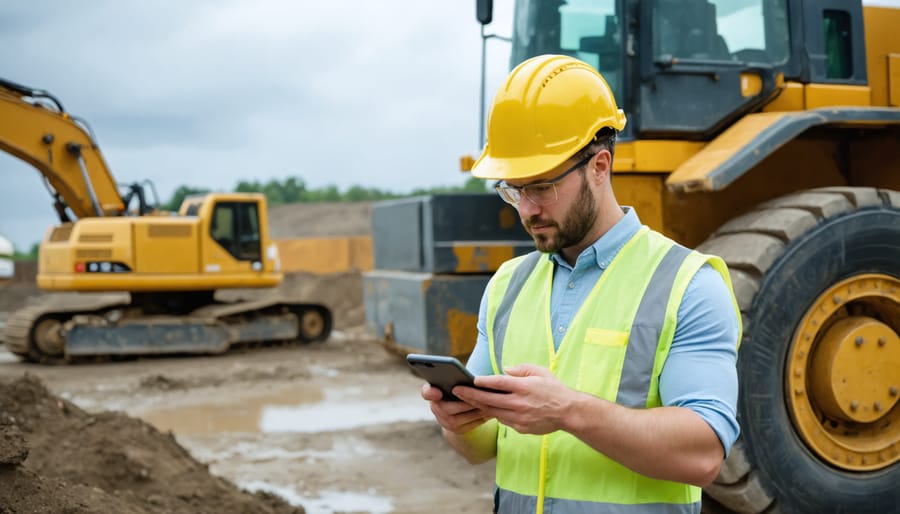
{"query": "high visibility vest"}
(615, 349)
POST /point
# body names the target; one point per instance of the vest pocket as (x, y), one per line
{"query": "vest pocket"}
(600, 366)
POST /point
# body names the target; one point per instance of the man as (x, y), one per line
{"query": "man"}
(617, 347)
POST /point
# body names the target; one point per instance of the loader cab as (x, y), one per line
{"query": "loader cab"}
(688, 69)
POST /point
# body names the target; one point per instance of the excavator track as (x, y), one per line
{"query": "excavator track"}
(817, 279)
(33, 333)
(53, 335)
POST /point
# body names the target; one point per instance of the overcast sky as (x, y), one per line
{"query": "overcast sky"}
(206, 93)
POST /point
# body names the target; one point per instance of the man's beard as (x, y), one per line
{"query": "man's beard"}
(574, 228)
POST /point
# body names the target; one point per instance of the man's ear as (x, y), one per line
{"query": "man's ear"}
(601, 166)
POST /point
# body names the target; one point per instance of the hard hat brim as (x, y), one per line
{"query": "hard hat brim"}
(514, 168)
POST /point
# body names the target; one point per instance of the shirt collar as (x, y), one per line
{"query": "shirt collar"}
(605, 249)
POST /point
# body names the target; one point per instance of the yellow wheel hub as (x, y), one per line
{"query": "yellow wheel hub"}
(843, 374)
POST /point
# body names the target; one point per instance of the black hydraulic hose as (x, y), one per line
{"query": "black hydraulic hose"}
(34, 93)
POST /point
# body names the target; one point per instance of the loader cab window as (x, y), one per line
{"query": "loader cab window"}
(721, 30)
(838, 54)
(235, 227)
(696, 59)
(589, 30)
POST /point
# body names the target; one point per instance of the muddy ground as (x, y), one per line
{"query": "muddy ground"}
(336, 427)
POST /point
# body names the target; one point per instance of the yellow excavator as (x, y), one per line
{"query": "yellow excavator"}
(112, 239)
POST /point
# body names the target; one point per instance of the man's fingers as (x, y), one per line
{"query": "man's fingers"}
(431, 394)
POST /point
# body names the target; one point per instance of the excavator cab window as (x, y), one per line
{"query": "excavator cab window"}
(235, 227)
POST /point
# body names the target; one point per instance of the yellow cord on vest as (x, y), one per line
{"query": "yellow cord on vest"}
(545, 447)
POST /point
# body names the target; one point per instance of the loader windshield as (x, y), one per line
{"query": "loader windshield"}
(720, 30)
(586, 29)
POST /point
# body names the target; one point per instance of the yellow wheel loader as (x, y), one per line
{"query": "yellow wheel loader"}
(112, 239)
(766, 132)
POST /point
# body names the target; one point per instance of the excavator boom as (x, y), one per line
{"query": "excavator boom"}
(61, 149)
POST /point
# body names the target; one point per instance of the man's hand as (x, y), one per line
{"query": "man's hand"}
(536, 403)
(457, 417)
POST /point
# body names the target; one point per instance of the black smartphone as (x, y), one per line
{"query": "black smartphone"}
(443, 372)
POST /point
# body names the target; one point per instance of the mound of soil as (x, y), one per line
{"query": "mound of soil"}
(55, 457)
(339, 219)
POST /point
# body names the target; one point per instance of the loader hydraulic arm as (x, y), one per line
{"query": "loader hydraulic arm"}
(35, 128)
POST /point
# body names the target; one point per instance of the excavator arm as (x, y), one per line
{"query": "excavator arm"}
(62, 150)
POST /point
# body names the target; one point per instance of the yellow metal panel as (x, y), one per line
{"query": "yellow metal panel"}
(362, 257)
(166, 246)
(894, 80)
(461, 329)
(881, 41)
(91, 239)
(803, 163)
(644, 192)
(326, 255)
(150, 282)
(791, 98)
(828, 95)
(653, 156)
(694, 173)
(481, 256)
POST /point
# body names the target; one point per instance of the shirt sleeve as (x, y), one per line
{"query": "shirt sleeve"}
(700, 372)
(479, 362)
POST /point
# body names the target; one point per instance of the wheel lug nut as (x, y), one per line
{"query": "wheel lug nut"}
(859, 340)
(882, 341)
(893, 390)
(854, 405)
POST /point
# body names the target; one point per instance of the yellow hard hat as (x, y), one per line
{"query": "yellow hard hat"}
(550, 107)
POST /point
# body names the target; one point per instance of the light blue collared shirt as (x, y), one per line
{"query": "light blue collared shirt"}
(699, 373)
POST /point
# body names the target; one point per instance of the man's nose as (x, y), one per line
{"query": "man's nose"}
(527, 208)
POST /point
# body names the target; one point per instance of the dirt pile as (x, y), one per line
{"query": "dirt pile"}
(339, 219)
(55, 457)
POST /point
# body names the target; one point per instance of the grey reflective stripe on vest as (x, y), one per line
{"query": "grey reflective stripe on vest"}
(519, 276)
(634, 384)
(509, 502)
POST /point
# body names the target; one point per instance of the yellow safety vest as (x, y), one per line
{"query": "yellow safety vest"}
(615, 349)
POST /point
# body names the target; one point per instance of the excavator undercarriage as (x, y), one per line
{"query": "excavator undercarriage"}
(118, 327)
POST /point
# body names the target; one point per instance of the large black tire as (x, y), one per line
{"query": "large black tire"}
(782, 257)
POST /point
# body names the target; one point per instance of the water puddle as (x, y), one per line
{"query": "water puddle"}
(327, 502)
(295, 410)
(6, 356)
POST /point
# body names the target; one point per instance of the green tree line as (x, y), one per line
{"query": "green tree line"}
(295, 190)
